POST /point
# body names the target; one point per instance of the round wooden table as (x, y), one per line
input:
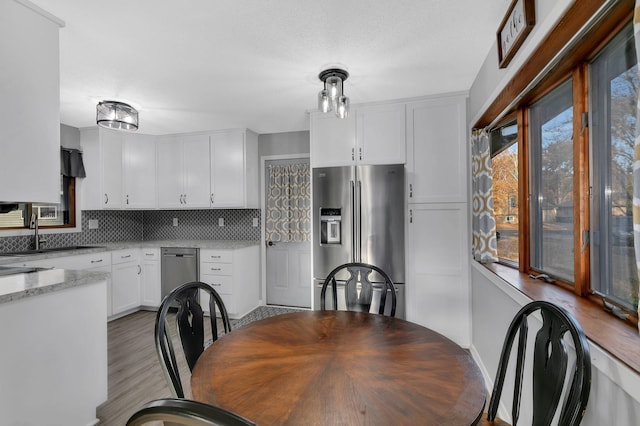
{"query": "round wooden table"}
(340, 368)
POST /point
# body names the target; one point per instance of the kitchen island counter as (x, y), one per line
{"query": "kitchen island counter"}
(54, 357)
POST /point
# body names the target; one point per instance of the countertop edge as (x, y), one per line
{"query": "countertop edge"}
(22, 286)
(120, 245)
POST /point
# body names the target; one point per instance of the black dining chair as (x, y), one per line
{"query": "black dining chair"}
(186, 413)
(190, 325)
(553, 372)
(358, 288)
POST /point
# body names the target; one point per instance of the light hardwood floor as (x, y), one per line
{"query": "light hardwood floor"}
(135, 375)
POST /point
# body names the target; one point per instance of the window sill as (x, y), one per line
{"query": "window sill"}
(618, 337)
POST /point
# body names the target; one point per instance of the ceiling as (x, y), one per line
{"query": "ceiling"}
(203, 64)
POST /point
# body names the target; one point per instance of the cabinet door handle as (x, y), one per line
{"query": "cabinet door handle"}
(212, 198)
(127, 199)
(125, 257)
(148, 254)
(185, 198)
(360, 152)
(216, 284)
(106, 198)
(353, 154)
(96, 261)
(410, 190)
(139, 269)
(410, 215)
(216, 269)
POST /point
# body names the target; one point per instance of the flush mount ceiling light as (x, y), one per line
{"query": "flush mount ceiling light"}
(116, 115)
(332, 98)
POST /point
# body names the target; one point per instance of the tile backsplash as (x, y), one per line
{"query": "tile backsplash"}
(126, 225)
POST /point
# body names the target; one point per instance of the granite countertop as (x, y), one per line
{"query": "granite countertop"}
(202, 244)
(19, 286)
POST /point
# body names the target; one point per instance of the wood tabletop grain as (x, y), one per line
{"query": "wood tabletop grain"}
(340, 368)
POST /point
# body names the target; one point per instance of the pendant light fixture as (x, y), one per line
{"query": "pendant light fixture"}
(116, 115)
(332, 98)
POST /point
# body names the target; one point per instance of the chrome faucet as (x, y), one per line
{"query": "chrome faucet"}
(36, 238)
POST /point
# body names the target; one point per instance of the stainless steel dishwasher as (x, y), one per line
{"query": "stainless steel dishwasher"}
(179, 265)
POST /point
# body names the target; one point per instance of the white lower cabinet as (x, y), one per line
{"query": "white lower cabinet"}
(235, 276)
(125, 280)
(437, 290)
(150, 278)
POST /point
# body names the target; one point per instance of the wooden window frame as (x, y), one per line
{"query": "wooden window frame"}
(619, 338)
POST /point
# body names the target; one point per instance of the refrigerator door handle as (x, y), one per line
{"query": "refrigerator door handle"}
(353, 221)
(359, 222)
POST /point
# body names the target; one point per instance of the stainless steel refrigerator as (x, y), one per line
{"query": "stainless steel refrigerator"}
(358, 216)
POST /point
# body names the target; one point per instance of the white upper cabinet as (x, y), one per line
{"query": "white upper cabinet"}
(120, 170)
(380, 134)
(111, 144)
(333, 140)
(139, 157)
(30, 107)
(183, 172)
(234, 163)
(437, 150)
(370, 135)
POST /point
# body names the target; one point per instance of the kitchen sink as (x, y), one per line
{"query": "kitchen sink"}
(47, 250)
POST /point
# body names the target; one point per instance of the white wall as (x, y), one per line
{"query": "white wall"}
(615, 389)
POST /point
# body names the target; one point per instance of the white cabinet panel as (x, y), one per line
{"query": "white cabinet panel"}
(438, 264)
(150, 278)
(197, 170)
(170, 179)
(333, 140)
(437, 150)
(30, 107)
(111, 143)
(139, 156)
(227, 169)
(125, 280)
(380, 134)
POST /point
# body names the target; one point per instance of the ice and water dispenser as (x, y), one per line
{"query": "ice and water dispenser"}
(330, 226)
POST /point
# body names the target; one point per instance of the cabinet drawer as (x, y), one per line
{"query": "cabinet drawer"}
(221, 283)
(211, 268)
(123, 256)
(223, 256)
(150, 254)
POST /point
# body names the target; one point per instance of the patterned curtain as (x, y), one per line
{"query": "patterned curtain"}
(485, 245)
(288, 216)
(636, 164)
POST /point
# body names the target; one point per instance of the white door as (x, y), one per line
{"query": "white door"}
(288, 232)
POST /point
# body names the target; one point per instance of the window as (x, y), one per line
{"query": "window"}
(59, 215)
(504, 165)
(613, 92)
(551, 182)
(573, 208)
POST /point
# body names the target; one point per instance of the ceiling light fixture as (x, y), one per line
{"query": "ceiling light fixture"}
(116, 115)
(332, 98)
